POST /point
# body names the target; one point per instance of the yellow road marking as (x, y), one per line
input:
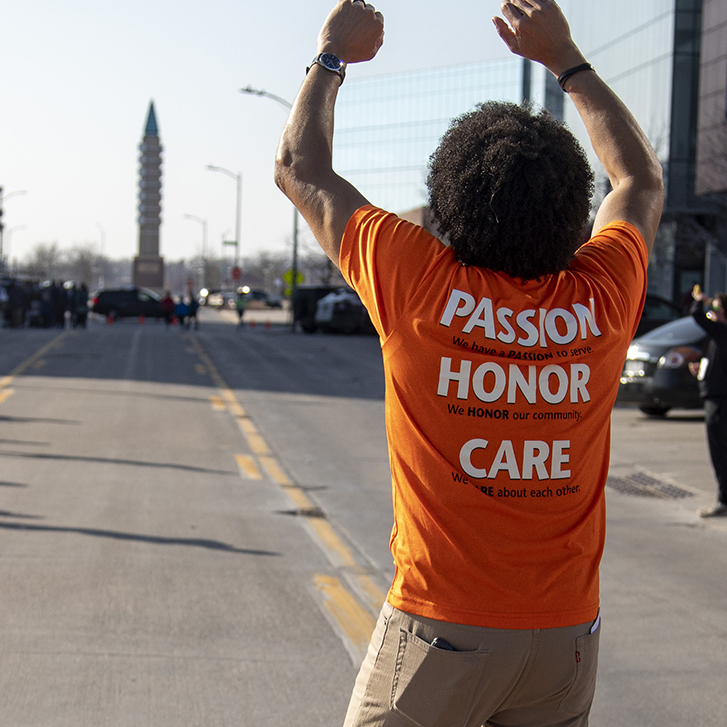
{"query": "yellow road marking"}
(246, 425)
(354, 620)
(276, 473)
(55, 343)
(6, 394)
(332, 542)
(248, 468)
(236, 409)
(38, 364)
(229, 396)
(374, 595)
(257, 444)
(200, 369)
(356, 623)
(321, 527)
(6, 381)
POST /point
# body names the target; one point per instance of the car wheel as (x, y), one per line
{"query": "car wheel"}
(654, 411)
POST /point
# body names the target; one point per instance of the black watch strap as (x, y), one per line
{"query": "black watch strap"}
(330, 62)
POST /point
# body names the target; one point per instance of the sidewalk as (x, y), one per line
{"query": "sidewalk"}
(664, 643)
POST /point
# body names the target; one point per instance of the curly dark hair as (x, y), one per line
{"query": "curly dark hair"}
(511, 190)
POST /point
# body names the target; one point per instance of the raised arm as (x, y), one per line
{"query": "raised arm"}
(353, 32)
(538, 30)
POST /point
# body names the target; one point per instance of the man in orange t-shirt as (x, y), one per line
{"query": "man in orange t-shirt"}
(502, 354)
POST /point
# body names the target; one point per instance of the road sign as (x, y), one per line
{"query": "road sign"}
(288, 278)
(236, 273)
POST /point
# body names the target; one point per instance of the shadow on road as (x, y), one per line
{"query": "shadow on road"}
(106, 460)
(154, 539)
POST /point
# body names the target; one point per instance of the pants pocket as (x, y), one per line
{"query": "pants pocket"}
(434, 687)
(580, 695)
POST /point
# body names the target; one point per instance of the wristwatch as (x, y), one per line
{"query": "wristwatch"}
(330, 63)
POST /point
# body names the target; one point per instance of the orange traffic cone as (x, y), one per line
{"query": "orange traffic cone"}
(267, 324)
(110, 318)
(174, 320)
(252, 324)
(142, 319)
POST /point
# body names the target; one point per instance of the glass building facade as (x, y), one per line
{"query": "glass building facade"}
(388, 126)
(649, 53)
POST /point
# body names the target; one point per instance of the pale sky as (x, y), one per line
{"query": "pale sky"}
(78, 76)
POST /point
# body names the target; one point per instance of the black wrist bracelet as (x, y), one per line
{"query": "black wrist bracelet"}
(571, 72)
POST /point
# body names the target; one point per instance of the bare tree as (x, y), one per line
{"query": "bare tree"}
(44, 261)
(82, 264)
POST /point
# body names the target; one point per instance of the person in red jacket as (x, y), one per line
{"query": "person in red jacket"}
(168, 307)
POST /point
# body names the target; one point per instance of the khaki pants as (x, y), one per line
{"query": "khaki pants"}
(493, 677)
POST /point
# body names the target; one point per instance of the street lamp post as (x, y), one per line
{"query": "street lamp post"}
(204, 245)
(238, 178)
(3, 197)
(10, 237)
(294, 271)
(101, 276)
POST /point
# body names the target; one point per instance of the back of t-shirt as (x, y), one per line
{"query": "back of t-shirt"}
(498, 401)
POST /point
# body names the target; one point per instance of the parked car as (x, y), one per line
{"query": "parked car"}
(220, 299)
(343, 312)
(305, 302)
(259, 298)
(656, 374)
(657, 312)
(127, 303)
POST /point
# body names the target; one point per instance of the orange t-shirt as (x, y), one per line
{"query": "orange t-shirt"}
(498, 401)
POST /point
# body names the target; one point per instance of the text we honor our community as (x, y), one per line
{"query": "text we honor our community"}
(507, 383)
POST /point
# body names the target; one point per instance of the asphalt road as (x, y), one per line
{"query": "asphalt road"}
(194, 530)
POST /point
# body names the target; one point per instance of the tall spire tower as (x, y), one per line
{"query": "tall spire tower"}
(148, 265)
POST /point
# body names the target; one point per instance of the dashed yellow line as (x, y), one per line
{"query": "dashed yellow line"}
(34, 361)
(229, 396)
(356, 623)
(257, 444)
(248, 468)
(374, 596)
(276, 473)
(236, 409)
(57, 342)
(6, 394)
(333, 543)
(246, 425)
(350, 617)
(200, 369)
(217, 403)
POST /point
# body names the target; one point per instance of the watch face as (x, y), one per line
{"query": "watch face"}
(330, 61)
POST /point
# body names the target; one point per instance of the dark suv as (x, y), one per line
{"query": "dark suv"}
(127, 303)
(656, 373)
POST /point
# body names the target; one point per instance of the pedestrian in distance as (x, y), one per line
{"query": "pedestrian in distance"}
(168, 307)
(711, 373)
(241, 306)
(181, 311)
(79, 314)
(502, 355)
(193, 305)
